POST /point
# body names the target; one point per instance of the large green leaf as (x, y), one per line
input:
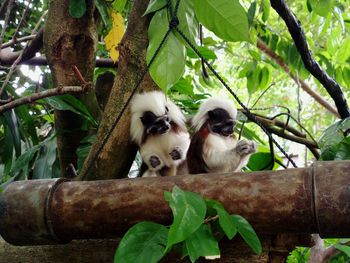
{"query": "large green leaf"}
(204, 51)
(202, 243)
(68, 102)
(143, 243)
(188, 22)
(265, 6)
(155, 5)
(322, 7)
(77, 8)
(343, 248)
(44, 163)
(226, 18)
(225, 220)
(103, 10)
(188, 210)
(247, 232)
(334, 133)
(169, 64)
(22, 162)
(343, 152)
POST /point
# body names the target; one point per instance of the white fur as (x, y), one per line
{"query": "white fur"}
(221, 156)
(221, 153)
(210, 104)
(154, 101)
(160, 145)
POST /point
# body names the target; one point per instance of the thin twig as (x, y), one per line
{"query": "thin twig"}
(43, 94)
(78, 75)
(18, 40)
(3, 7)
(12, 69)
(7, 18)
(298, 35)
(14, 37)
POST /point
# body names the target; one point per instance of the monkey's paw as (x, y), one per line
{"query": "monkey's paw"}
(176, 154)
(244, 147)
(154, 161)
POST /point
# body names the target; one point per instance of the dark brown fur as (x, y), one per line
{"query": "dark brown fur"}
(195, 161)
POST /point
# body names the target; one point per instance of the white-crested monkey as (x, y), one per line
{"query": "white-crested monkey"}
(158, 127)
(213, 148)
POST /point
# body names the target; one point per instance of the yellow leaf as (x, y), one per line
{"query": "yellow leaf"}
(114, 36)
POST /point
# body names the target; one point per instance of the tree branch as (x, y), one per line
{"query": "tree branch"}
(29, 50)
(270, 53)
(310, 63)
(9, 5)
(44, 94)
(17, 40)
(279, 128)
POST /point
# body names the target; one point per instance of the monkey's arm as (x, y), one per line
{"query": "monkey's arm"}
(229, 160)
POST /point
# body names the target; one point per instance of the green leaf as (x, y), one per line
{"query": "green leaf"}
(265, 77)
(204, 51)
(12, 123)
(253, 78)
(343, 248)
(183, 86)
(188, 210)
(169, 64)
(77, 8)
(247, 232)
(328, 153)
(22, 162)
(143, 243)
(321, 7)
(44, 163)
(188, 22)
(343, 152)
(119, 5)
(265, 6)
(155, 5)
(103, 10)
(334, 133)
(251, 13)
(227, 19)
(225, 220)
(202, 243)
(68, 102)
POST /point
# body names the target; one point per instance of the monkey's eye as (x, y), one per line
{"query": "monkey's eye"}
(230, 123)
(152, 130)
(166, 109)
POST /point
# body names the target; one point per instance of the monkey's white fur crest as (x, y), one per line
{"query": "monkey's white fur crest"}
(154, 101)
(210, 104)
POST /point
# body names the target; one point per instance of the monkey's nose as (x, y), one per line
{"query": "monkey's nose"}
(227, 131)
(163, 129)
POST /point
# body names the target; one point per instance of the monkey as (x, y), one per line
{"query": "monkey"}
(213, 147)
(158, 128)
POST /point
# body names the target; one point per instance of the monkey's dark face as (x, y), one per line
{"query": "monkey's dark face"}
(220, 122)
(155, 124)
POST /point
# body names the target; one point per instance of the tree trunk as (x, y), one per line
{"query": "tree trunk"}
(69, 41)
(118, 153)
